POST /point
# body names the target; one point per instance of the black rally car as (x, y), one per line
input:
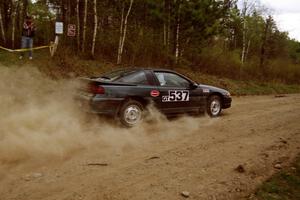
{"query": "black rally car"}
(125, 94)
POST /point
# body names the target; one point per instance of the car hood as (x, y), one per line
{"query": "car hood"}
(213, 89)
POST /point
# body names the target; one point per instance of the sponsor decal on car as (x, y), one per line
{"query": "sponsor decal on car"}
(177, 95)
(154, 93)
(206, 90)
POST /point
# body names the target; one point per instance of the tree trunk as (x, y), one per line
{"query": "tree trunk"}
(95, 27)
(78, 25)
(14, 13)
(84, 25)
(23, 9)
(7, 14)
(69, 12)
(177, 41)
(177, 32)
(123, 33)
(169, 25)
(244, 32)
(165, 24)
(2, 28)
(263, 46)
(247, 51)
(167, 19)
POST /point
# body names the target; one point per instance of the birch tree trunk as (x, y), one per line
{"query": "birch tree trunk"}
(95, 27)
(14, 13)
(2, 28)
(177, 32)
(123, 32)
(84, 25)
(177, 42)
(244, 13)
(248, 47)
(78, 25)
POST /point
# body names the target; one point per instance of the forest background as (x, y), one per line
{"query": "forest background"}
(205, 36)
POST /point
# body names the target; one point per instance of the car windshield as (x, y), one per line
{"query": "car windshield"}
(114, 75)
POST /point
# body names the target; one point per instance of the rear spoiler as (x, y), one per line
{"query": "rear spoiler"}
(106, 82)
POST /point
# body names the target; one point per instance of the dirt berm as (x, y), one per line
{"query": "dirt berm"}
(50, 152)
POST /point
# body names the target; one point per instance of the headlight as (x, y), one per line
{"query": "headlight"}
(228, 94)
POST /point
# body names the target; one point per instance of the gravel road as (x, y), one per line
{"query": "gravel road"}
(160, 160)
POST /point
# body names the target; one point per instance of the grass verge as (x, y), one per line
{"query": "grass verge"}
(65, 66)
(283, 186)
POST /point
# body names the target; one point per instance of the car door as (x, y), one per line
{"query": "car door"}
(177, 94)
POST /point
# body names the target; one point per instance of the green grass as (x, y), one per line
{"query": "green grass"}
(282, 186)
(64, 65)
(238, 87)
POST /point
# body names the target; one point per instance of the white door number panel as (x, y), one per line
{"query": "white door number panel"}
(177, 95)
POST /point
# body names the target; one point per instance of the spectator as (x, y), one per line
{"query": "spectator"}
(27, 36)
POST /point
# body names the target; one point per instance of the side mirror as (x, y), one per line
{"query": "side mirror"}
(193, 85)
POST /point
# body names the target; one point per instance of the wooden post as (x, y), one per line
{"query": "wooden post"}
(54, 45)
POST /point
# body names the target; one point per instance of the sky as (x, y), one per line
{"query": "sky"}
(286, 13)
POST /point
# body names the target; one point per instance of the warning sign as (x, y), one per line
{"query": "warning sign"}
(71, 30)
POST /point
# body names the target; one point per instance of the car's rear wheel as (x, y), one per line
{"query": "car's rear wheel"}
(214, 106)
(131, 113)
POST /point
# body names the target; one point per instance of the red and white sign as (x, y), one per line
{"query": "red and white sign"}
(71, 30)
(155, 93)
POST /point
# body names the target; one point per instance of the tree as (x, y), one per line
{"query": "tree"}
(123, 31)
(2, 28)
(246, 11)
(95, 27)
(78, 24)
(15, 7)
(84, 25)
(267, 31)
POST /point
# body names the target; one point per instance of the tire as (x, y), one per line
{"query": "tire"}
(131, 113)
(214, 106)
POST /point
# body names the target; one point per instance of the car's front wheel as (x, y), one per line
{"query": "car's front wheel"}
(214, 106)
(131, 113)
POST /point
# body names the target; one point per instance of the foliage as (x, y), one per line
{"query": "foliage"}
(207, 35)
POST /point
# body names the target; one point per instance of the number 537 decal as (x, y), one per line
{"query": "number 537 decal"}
(177, 95)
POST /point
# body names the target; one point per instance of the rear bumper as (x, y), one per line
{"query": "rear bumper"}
(100, 105)
(226, 102)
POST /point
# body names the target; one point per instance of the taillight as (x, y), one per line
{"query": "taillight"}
(96, 89)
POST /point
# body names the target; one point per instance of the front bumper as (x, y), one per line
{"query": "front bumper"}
(226, 102)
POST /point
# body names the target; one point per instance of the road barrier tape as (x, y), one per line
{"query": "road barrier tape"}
(24, 50)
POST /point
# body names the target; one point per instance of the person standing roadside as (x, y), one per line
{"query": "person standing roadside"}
(27, 36)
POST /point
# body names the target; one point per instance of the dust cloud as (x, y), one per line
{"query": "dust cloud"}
(40, 120)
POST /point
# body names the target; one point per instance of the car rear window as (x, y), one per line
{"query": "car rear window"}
(135, 77)
(114, 75)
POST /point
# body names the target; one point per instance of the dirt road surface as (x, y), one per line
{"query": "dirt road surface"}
(200, 158)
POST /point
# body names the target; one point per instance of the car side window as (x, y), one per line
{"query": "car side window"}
(168, 79)
(135, 77)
